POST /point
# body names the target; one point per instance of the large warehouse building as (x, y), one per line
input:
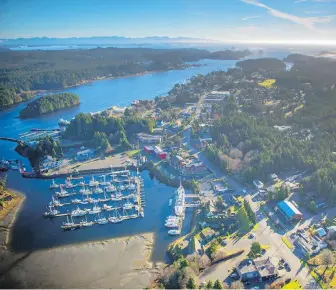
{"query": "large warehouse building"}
(289, 210)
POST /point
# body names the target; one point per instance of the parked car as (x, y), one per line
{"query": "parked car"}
(288, 280)
(251, 236)
(234, 276)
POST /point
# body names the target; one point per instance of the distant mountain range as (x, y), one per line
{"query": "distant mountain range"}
(100, 40)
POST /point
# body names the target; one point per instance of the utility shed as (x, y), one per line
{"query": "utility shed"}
(289, 210)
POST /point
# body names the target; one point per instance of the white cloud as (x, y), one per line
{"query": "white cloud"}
(307, 22)
(299, 1)
(250, 17)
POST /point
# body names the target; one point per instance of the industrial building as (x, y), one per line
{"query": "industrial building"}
(289, 210)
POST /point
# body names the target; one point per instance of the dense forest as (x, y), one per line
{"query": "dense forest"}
(9, 97)
(267, 64)
(48, 104)
(105, 130)
(22, 71)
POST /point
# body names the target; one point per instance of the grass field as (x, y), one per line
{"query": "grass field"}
(268, 83)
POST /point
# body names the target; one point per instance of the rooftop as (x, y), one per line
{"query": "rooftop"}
(288, 208)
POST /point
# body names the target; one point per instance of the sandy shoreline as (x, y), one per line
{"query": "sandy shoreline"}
(113, 263)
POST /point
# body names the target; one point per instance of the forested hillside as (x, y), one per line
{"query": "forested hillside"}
(22, 71)
(48, 104)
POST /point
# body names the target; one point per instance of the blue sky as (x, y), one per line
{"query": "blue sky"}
(225, 20)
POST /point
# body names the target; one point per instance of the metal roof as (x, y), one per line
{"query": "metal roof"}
(288, 208)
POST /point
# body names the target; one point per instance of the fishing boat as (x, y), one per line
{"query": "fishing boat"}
(110, 188)
(128, 205)
(53, 185)
(93, 182)
(95, 209)
(78, 212)
(62, 192)
(51, 213)
(174, 232)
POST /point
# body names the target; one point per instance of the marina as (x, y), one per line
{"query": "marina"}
(126, 203)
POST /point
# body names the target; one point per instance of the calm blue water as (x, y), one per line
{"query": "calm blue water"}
(31, 231)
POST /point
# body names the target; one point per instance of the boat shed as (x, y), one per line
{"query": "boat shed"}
(289, 210)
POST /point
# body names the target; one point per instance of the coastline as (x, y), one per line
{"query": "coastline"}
(8, 221)
(113, 263)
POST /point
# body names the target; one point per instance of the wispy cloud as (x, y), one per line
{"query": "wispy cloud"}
(307, 22)
(299, 1)
(250, 17)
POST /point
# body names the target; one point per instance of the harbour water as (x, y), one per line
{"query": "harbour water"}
(31, 231)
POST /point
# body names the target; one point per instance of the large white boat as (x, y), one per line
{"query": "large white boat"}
(53, 185)
(174, 232)
(142, 212)
(78, 212)
(93, 182)
(171, 224)
(179, 204)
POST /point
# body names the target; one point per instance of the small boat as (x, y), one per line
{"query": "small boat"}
(55, 202)
(128, 205)
(95, 209)
(76, 200)
(107, 207)
(85, 191)
(110, 188)
(86, 223)
(133, 216)
(170, 202)
(93, 182)
(69, 184)
(174, 232)
(51, 213)
(122, 187)
(104, 182)
(114, 219)
(101, 220)
(119, 195)
(90, 200)
(98, 190)
(142, 213)
(62, 193)
(132, 186)
(82, 183)
(78, 212)
(53, 185)
(171, 225)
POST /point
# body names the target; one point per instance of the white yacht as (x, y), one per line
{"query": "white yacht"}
(171, 225)
(174, 232)
(179, 203)
(55, 202)
(107, 207)
(85, 191)
(76, 201)
(104, 182)
(98, 190)
(101, 220)
(69, 184)
(53, 185)
(86, 223)
(132, 186)
(142, 212)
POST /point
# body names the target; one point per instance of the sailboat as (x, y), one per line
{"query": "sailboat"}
(95, 209)
(70, 226)
(51, 213)
(86, 223)
(55, 202)
(85, 190)
(93, 182)
(105, 183)
(105, 199)
(78, 212)
(115, 218)
(110, 188)
(142, 213)
(107, 207)
(53, 185)
(101, 220)
(98, 190)
(62, 192)
(76, 201)
(128, 205)
(69, 184)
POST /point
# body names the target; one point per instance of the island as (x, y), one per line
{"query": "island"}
(48, 104)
